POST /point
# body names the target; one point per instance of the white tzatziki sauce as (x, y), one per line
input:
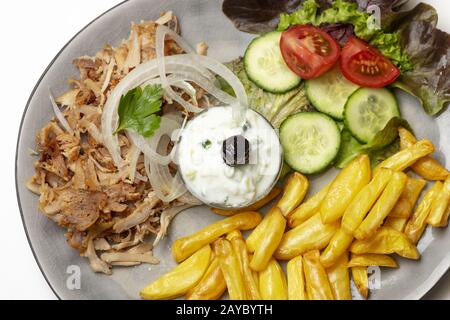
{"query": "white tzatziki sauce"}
(204, 171)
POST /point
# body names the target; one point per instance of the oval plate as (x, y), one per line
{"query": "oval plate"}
(201, 20)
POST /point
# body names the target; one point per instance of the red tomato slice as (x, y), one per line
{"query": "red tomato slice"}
(308, 51)
(366, 66)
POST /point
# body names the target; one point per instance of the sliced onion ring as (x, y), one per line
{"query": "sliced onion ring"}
(166, 186)
(161, 33)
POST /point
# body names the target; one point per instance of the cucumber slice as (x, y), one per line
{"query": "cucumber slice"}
(367, 111)
(310, 140)
(330, 92)
(265, 65)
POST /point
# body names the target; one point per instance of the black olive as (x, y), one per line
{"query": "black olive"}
(236, 151)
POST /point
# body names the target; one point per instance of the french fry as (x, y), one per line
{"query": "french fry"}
(231, 269)
(317, 283)
(254, 273)
(272, 282)
(307, 209)
(254, 207)
(296, 279)
(382, 207)
(338, 246)
(270, 241)
(186, 246)
(444, 221)
(364, 200)
(257, 234)
(310, 235)
(361, 280)
(370, 259)
(339, 278)
(430, 169)
(398, 224)
(238, 244)
(402, 208)
(425, 167)
(294, 192)
(416, 225)
(181, 279)
(440, 205)
(405, 204)
(408, 156)
(344, 188)
(235, 234)
(386, 241)
(211, 286)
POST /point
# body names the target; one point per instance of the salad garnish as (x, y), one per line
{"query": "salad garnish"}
(138, 108)
(408, 38)
(309, 51)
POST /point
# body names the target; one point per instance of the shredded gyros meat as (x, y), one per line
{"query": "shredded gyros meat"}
(107, 212)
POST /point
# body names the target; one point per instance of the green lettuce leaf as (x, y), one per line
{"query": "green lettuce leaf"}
(274, 107)
(388, 44)
(339, 12)
(347, 12)
(384, 144)
(307, 14)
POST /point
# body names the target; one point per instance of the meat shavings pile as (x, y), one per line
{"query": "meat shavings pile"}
(107, 212)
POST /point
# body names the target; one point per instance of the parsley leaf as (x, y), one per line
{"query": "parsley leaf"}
(206, 144)
(137, 110)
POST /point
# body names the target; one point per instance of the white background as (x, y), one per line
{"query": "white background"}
(31, 34)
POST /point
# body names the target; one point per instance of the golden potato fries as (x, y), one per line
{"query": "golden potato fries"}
(359, 220)
(269, 242)
(405, 204)
(339, 278)
(430, 169)
(316, 278)
(307, 209)
(371, 259)
(256, 278)
(181, 279)
(294, 192)
(251, 285)
(272, 282)
(408, 156)
(386, 241)
(211, 286)
(418, 222)
(235, 234)
(257, 234)
(398, 224)
(444, 221)
(231, 269)
(364, 200)
(338, 246)
(310, 235)
(254, 207)
(361, 280)
(440, 205)
(425, 167)
(344, 188)
(382, 207)
(184, 247)
(296, 279)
